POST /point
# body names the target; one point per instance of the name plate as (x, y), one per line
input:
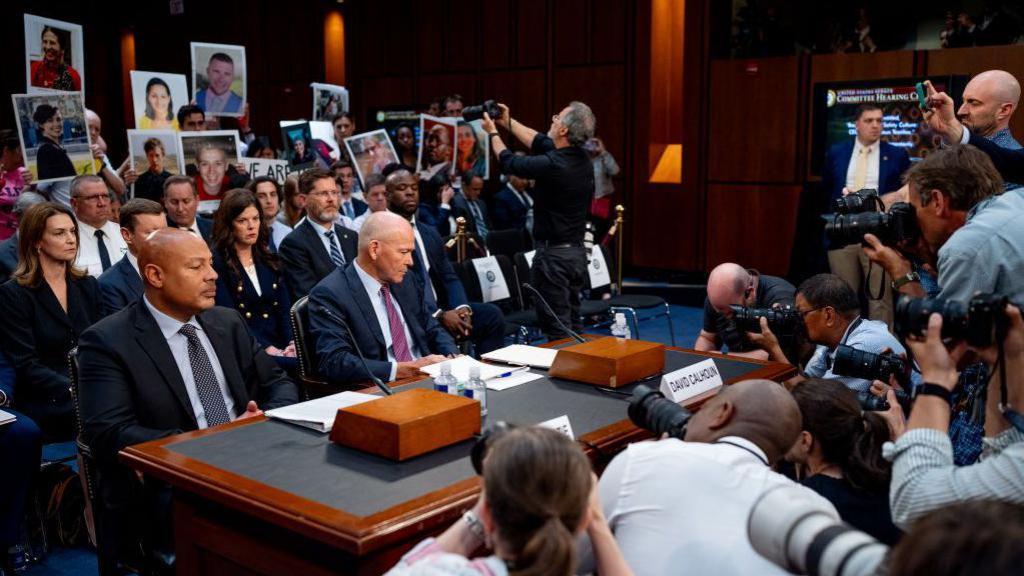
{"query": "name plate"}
(691, 381)
(560, 424)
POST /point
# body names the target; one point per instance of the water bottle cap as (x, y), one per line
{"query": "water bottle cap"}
(620, 318)
(446, 368)
(474, 372)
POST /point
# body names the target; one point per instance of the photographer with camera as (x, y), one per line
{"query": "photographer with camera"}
(538, 495)
(680, 504)
(831, 317)
(730, 285)
(564, 186)
(924, 476)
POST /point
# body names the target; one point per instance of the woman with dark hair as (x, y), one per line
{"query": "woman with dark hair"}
(45, 306)
(268, 193)
(159, 107)
(301, 154)
(249, 274)
(405, 144)
(538, 496)
(471, 159)
(53, 70)
(839, 455)
(52, 160)
(260, 148)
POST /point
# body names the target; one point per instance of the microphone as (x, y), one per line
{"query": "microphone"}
(561, 324)
(380, 383)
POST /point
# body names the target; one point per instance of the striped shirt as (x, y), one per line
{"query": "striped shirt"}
(924, 477)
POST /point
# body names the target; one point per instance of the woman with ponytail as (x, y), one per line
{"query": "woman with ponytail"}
(538, 496)
(839, 455)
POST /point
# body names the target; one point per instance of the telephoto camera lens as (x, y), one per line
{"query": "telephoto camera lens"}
(650, 410)
(869, 366)
(897, 225)
(981, 321)
(471, 113)
(796, 530)
(782, 321)
(856, 202)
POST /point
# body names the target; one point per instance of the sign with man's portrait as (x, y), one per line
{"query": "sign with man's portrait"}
(438, 151)
(218, 78)
(208, 157)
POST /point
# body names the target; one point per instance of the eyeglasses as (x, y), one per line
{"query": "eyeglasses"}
(556, 118)
(94, 198)
(324, 194)
(804, 313)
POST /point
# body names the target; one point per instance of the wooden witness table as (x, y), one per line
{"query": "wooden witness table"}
(259, 496)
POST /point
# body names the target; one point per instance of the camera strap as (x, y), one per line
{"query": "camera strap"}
(744, 448)
(1012, 416)
(867, 283)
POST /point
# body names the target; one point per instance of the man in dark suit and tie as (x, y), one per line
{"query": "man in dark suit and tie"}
(391, 324)
(181, 201)
(443, 292)
(513, 206)
(475, 205)
(121, 284)
(168, 363)
(317, 245)
(864, 162)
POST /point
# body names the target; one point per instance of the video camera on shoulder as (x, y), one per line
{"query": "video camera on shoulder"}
(785, 321)
(471, 113)
(981, 321)
(897, 225)
(866, 365)
(863, 200)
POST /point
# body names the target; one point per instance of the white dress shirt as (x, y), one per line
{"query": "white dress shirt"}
(178, 344)
(278, 230)
(134, 261)
(423, 257)
(88, 249)
(871, 175)
(682, 507)
(372, 287)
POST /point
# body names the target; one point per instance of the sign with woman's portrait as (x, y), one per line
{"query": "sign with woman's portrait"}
(54, 57)
(157, 96)
(370, 152)
(54, 136)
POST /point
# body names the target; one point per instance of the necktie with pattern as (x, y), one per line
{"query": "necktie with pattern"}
(206, 381)
(336, 256)
(399, 345)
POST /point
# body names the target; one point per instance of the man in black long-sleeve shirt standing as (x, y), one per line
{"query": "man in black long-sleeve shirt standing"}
(564, 186)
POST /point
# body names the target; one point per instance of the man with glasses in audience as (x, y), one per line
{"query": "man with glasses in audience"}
(100, 242)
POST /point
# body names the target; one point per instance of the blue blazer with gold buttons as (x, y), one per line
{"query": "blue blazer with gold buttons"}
(266, 313)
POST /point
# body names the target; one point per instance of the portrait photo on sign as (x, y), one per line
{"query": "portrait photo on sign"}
(218, 78)
(210, 159)
(437, 154)
(54, 136)
(370, 152)
(157, 96)
(54, 57)
(320, 144)
(473, 146)
(155, 157)
(298, 145)
(328, 101)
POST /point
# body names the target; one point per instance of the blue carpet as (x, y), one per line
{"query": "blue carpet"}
(686, 321)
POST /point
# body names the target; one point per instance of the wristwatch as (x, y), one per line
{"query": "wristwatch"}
(929, 389)
(911, 276)
(492, 135)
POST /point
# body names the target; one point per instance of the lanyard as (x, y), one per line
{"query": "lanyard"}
(742, 447)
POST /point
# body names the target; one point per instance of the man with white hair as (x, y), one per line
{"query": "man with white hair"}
(386, 313)
(731, 284)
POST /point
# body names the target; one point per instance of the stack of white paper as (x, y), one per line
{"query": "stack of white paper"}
(460, 369)
(520, 355)
(319, 414)
(6, 417)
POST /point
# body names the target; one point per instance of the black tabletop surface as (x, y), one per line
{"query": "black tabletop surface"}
(306, 463)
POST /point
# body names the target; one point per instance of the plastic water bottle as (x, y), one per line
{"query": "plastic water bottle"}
(620, 329)
(445, 382)
(476, 389)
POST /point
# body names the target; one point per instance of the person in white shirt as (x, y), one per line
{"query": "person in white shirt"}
(100, 242)
(376, 199)
(681, 506)
(268, 193)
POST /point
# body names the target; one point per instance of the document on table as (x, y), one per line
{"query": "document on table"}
(516, 379)
(521, 355)
(6, 418)
(319, 414)
(460, 369)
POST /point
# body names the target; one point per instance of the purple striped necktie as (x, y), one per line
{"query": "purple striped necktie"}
(399, 345)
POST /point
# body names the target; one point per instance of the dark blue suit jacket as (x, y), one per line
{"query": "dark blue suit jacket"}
(305, 259)
(8, 257)
(267, 313)
(891, 166)
(450, 293)
(509, 212)
(205, 226)
(343, 294)
(121, 285)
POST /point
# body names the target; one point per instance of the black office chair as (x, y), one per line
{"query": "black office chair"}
(594, 313)
(311, 384)
(630, 303)
(517, 321)
(509, 242)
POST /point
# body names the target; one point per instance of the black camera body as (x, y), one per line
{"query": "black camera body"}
(785, 321)
(874, 403)
(863, 200)
(856, 363)
(650, 410)
(471, 113)
(897, 225)
(981, 321)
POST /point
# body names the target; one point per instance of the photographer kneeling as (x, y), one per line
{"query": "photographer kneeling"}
(924, 476)
(831, 317)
